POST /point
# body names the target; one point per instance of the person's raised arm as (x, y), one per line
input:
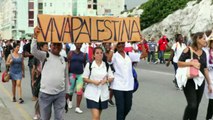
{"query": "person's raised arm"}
(40, 55)
(109, 58)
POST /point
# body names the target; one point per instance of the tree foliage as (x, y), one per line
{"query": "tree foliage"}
(156, 10)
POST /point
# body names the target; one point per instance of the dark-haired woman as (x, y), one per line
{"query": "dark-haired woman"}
(16, 63)
(176, 51)
(193, 91)
(123, 82)
(97, 76)
(76, 63)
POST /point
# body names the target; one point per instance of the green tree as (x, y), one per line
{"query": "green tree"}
(156, 10)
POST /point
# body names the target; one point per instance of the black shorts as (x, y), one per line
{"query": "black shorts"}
(98, 105)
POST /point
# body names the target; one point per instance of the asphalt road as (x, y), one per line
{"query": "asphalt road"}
(156, 98)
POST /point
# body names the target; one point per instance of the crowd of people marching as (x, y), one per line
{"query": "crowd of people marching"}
(101, 71)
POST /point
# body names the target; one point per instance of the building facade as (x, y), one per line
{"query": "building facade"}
(19, 17)
(80, 8)
(106, 7)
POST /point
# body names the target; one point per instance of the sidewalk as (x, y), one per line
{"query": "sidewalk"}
(4, 112)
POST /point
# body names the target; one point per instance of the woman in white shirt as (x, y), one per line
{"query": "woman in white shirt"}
(97, 76)
(123, 82)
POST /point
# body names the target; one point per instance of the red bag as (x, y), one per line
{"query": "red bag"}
(5, 76)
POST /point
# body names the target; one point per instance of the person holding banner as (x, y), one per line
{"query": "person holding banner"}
(123, 82)
(53, 81)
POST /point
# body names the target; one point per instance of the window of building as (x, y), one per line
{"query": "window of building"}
(31, 23)
(95, 7)
(31, 5)
(40, 12)
(94, 1)
(31, 14)
(51, 4)
(89, 6)
(40, 5)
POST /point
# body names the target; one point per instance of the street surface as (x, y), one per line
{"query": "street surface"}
(156, 99)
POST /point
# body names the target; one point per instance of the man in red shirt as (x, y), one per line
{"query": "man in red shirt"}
(162, 43)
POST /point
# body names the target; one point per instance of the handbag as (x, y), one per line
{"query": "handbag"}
(136, 83)
(5, 76)
(192, 72)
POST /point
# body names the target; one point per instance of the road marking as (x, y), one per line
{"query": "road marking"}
(164, 73)
(2, 105)
(24, 114)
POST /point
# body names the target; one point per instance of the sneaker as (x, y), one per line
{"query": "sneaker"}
(78, 110)
(21, 101)
(111, 103)
(36, 117)
(70, 104)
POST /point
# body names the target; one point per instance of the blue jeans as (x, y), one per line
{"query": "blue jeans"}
(123, 101)
(151, 55)
(46, 101)
(161, 56)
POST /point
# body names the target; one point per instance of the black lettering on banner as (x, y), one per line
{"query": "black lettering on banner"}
(115, 34)
(134, 23)
(90, 26)
(44, 35)
(87, 33)
(124, 27)
(99, 30)
(60, 35)
(72, 26)
(119, 31)
(67, 25)
(51, 37)
(87, 29)
(110, 37)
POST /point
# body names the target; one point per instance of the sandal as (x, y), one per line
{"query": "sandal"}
(14, 99)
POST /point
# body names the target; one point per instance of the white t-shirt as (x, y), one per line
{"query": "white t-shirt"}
(93, 92)
(123, 80)
(178, 49)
